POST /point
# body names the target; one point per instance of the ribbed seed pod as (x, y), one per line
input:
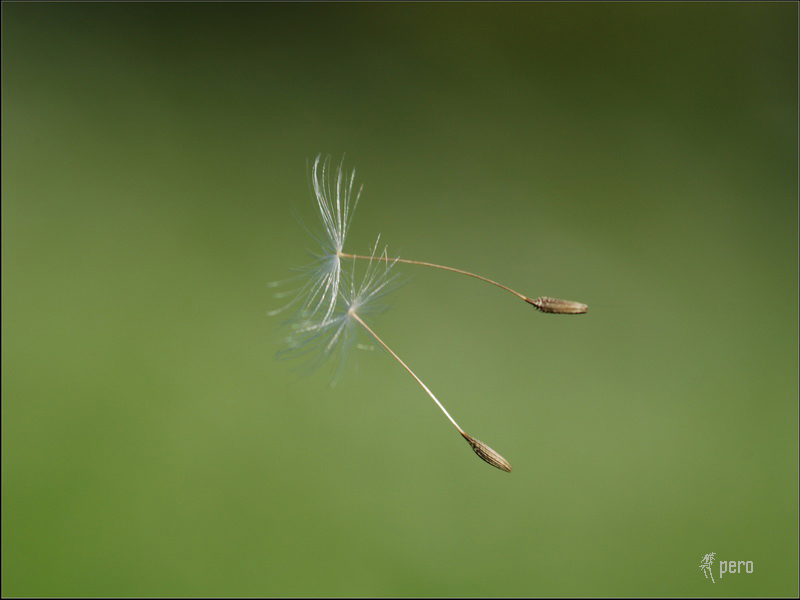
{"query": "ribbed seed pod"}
(561, 307)
(487, 454)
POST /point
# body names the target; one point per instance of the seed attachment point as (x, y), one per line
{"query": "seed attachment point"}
(487, 454)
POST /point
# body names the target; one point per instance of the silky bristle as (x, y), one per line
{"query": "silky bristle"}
(488, 454)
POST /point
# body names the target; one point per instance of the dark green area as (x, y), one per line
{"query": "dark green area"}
(639, 157)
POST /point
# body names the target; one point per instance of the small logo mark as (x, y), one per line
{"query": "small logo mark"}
(706, 566)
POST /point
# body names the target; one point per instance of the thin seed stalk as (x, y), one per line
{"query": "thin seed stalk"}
(486, 453)
(544, 304)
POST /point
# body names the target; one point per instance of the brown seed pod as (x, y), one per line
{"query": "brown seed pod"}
(487, 454)
(556, 306)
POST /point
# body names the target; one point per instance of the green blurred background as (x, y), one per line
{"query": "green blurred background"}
(639, 157)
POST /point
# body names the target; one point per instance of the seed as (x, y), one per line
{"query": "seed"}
(556, 306)
(486, 453)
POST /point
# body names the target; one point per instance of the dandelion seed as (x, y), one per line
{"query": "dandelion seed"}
(482, 450)
(336, 206)
(339, 247)
(357, 301)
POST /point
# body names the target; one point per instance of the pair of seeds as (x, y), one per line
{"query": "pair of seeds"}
(329, 310)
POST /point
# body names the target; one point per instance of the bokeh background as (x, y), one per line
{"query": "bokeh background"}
(639, 157)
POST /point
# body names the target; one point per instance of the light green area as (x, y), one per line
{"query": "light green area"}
(639, 157)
